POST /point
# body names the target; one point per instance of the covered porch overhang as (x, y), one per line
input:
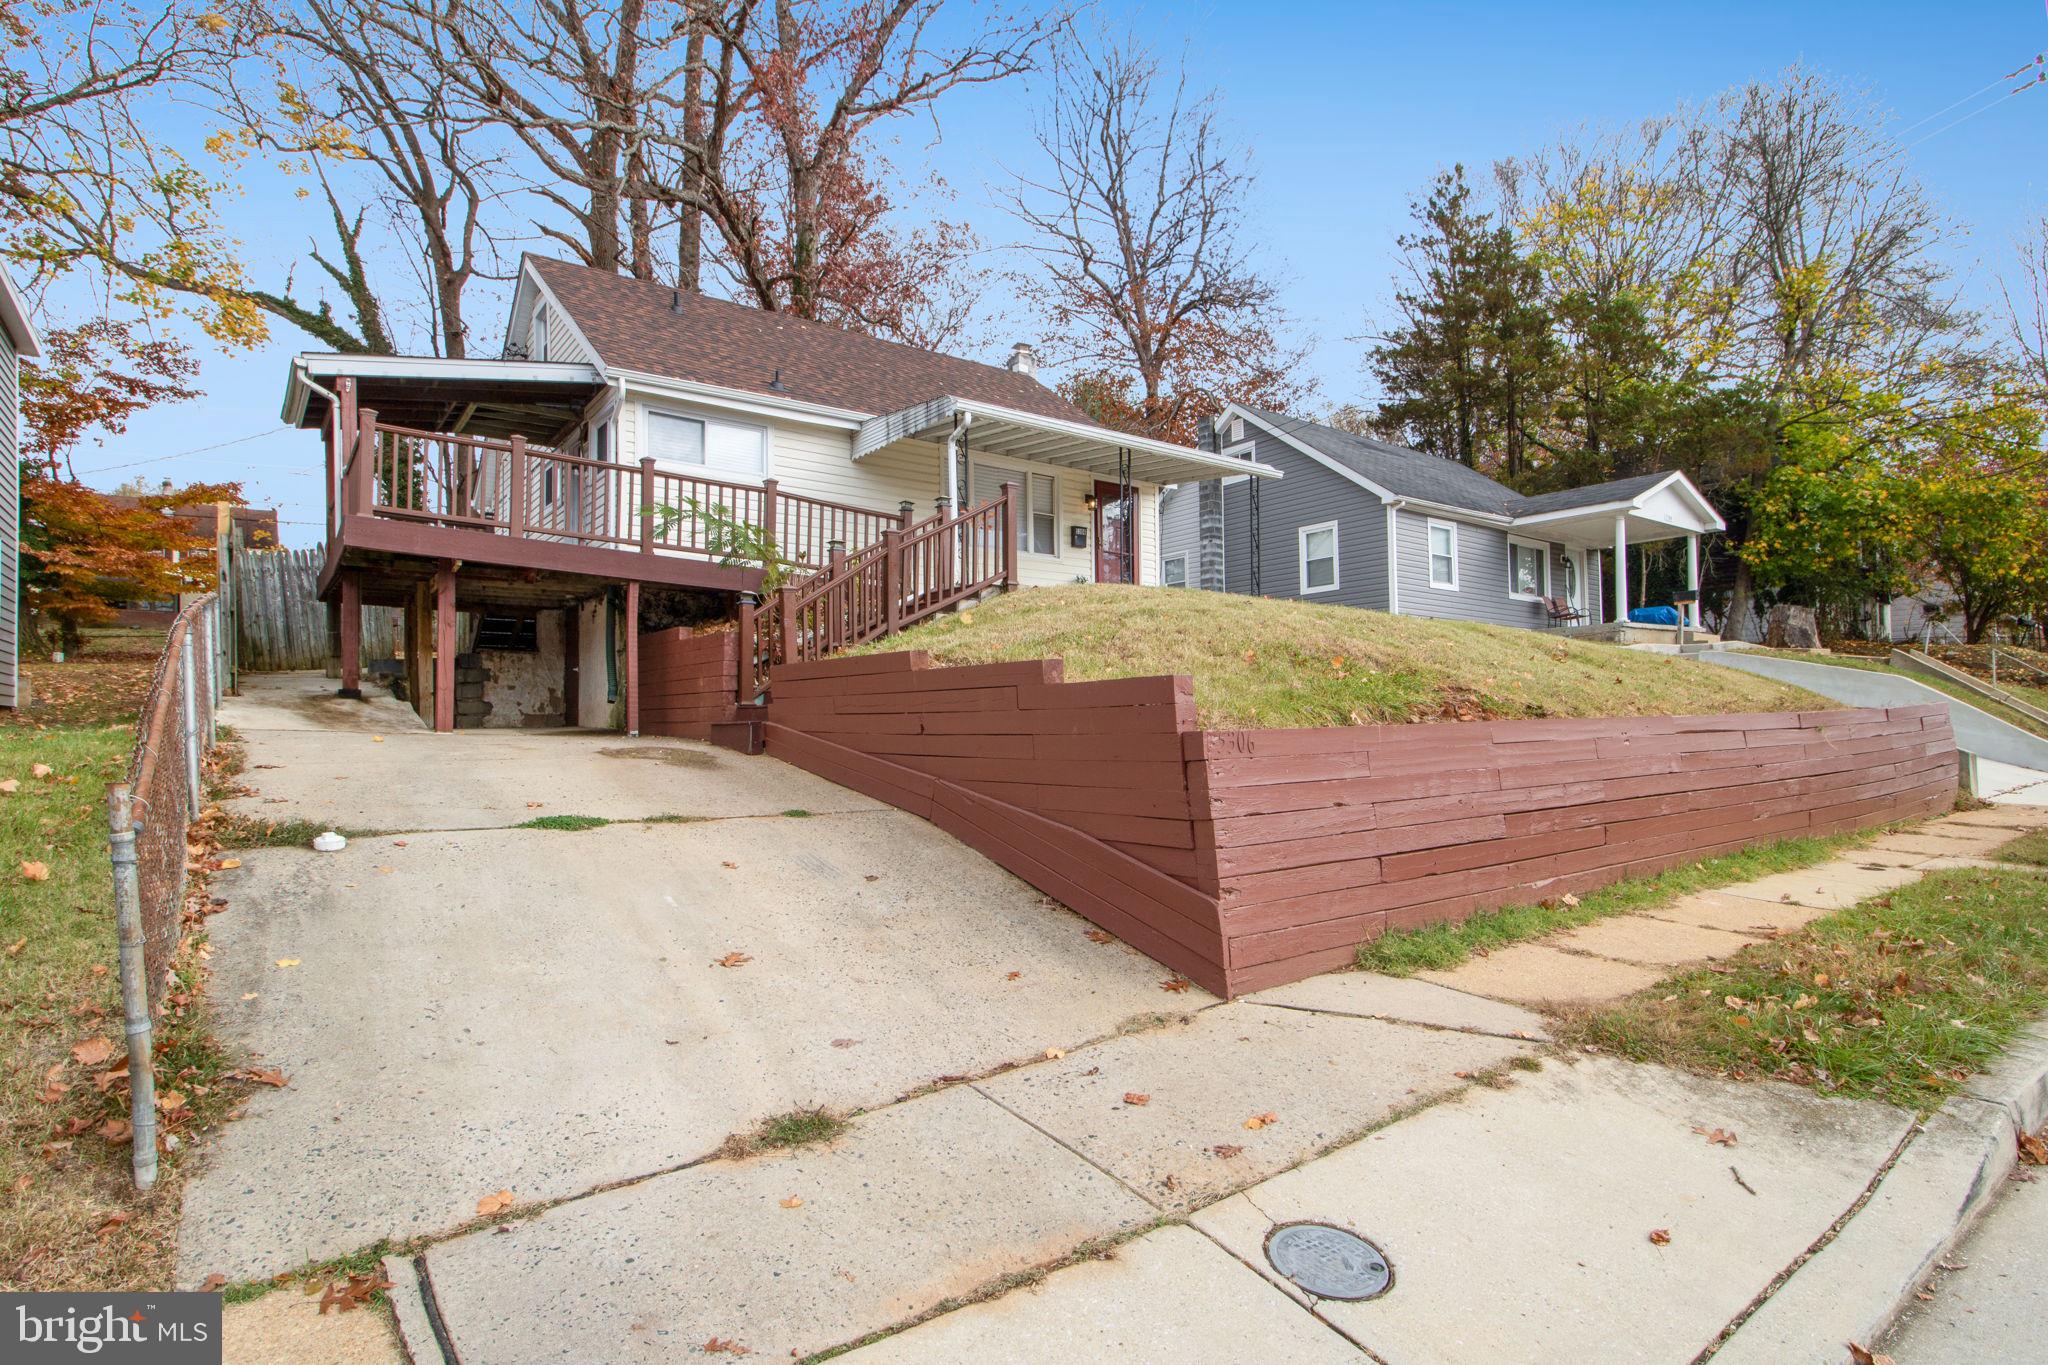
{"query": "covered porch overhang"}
(539, 401)
(1670, 509)
(1006, 432)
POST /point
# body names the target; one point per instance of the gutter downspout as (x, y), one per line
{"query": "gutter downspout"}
(962, 419)
(1394, 506)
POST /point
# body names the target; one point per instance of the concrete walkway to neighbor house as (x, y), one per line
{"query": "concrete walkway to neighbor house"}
(1615, 957)
(1056, 1150)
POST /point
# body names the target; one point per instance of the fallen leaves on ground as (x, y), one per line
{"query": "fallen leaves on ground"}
(1011, 976)
(212, 1283)
(732, 960)
(717, 1346)
(1227, 1150)
(1720, 1137)
(41, 770)
(1136, 1100)
(2033, 1151)
(113, 1223)
(492, 1204)
(1175, 984)
(228, 864)
(1660, 1237)
(844, 1042)
(354, 1294)
(287, 962)
(14, 948)
(793, 1202)
(10, 786)
(170, 1101)
(1863, 1355)
(274, 1077)
(1101, 936)
(1258, 1121)
(32, 871)
(734, 866)
(1053, 1054)
(93, 1052)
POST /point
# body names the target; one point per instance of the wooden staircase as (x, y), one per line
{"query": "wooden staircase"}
(938, 564)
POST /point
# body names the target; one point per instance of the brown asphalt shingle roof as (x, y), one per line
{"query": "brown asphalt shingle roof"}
(640, 325)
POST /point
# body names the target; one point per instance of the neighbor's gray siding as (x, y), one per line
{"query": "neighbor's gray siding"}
(10, 522)
(1482, 592)
(1180, 531)
(1306, 494)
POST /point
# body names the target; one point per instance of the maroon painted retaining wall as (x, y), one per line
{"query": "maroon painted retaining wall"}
(686, 681)
(1248, 858)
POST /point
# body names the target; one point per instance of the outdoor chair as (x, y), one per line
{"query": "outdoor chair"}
(1562, 612)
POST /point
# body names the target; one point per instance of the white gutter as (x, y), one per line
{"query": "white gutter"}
(1394, 506)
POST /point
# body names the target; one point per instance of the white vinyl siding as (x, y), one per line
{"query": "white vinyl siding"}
(1443, 555)
(1318, 557)
(1528, 570)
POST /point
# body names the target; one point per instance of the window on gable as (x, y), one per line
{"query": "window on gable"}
(1443, 554)
(1174, 571)
(537, 344)
(1525, 570)
(1318, 545)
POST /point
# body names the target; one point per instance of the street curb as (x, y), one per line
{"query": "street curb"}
(1954, 1166)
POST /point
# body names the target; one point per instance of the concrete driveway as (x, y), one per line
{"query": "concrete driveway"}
(468, 1007)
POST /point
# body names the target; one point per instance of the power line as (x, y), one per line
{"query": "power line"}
(201, 450)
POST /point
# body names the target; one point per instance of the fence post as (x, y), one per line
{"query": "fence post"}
(785, 597)
(770, 499)
(743, 686)
(905, 511)
(892, 581)
(646, 504)
(191, 725)
(134, 983)
(205, 619)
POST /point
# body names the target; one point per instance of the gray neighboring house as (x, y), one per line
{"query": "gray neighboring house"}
(1367, 524)
(17, 340)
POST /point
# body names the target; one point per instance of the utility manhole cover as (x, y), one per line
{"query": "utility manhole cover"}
(1329, 1262)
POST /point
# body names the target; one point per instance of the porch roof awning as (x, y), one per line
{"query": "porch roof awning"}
(1653, 508)
(498, 398)
(1002, 432)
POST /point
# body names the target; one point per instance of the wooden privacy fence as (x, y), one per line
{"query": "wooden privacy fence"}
(280, 621)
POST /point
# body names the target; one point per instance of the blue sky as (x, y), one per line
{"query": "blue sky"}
(1347, 109)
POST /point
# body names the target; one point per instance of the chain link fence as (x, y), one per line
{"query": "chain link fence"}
(148, 817)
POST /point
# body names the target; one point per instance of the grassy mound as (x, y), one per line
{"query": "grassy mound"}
(1263, 663)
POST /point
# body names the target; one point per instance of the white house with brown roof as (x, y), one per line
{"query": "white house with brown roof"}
(577, 469)
(18, 340)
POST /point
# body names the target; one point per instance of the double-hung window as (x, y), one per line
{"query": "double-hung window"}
(1037, 508)
(1443, 554)
(1173, 571)
(1318, 546)
(1528, 574)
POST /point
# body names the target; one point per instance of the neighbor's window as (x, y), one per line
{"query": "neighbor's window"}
(720, 447)
(1525, 569)
(1443, 554)
(1319, 557)
(1174, 571)
(1037, 512)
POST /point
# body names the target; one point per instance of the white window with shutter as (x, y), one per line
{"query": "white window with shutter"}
(1037, 509)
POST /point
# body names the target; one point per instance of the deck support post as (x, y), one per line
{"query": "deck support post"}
(747, 650)
(515, 510)
(633, 655)
(361, 478)
(785, 601)
(351, 635)
(1621, 570)
(444, 647)
(1692, 580)
(646, 506)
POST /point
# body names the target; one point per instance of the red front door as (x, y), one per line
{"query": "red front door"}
(1115, 559)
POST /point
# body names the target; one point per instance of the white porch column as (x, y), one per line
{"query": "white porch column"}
(1621, 569)
(1692, 579)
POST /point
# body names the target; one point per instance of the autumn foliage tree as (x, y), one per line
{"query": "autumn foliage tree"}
(1146, 279)
(83, 553)
(95, 377)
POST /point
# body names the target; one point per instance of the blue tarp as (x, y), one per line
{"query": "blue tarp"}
(1655, 616)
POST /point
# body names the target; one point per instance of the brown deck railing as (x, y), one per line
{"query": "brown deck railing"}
(514, 489)
(911, 574)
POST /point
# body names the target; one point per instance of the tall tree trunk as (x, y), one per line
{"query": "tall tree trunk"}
(1741, 602)
(690, 228)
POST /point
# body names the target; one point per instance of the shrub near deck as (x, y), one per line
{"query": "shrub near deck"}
(1252, 857)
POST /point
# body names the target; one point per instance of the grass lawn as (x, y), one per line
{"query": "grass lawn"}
(1953, 689)
(72, 1219)
(1900, 998)
(2028, 848)
(1268, 663)
(1440, 947)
